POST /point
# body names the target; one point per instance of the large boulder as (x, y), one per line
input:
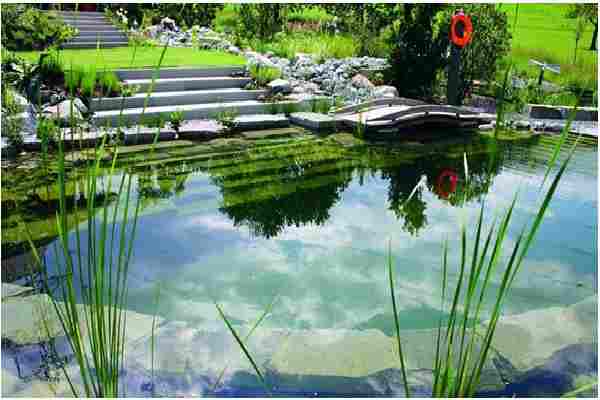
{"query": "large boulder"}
(168, 24)
(362, 82)
(62, 111)
(280, 86)
(258, 59)
(385, 91)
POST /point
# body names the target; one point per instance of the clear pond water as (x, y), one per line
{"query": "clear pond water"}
(308, 222)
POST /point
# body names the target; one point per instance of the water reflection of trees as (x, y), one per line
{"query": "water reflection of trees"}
(296, 192)
(31, 211)
(428, 170)
(269, 215)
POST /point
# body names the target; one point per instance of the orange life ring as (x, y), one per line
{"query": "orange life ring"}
(461, 41)
(447, 173)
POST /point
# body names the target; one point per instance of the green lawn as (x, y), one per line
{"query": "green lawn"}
(121, 57)
(544, 33)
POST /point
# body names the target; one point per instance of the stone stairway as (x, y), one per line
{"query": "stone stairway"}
(93, 28)
(198, 93)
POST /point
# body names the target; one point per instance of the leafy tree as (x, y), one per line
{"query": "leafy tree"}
(418, 50)
(261, 21)
(587, 12)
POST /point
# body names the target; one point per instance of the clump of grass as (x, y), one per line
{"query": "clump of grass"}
(263, 75)
(227, 118)
(320, 105)
(321, 45)
(310, 14)
(109, 83)
(88, 82)
(176, 119)
(73, 78)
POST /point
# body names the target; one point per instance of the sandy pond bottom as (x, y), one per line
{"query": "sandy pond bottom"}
(308, 220)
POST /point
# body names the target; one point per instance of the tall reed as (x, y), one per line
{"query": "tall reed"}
(96, 273)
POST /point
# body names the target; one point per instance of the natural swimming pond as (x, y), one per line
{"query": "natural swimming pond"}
(307, 221)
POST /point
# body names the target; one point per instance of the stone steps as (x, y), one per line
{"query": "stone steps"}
(92, 45)
(94, 29)
(198, 93)
(108, 38)
(171, 73)
(180, 84)
(161, 99)
(97, 28)
(95, 34)
(82, 13)
(190, 111)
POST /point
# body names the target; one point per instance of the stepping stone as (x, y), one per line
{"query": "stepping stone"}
(314, 121)
(271, 133)
(261, 121)
(201, 129)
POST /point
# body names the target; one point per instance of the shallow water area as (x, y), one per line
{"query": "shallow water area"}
(307, 221)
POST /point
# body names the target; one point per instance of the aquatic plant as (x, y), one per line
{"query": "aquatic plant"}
(457, 370)
(227, 118)
(97, 270)
(176, 119)
(263, 75)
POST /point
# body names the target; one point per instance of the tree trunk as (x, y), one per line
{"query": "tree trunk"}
(594, 38)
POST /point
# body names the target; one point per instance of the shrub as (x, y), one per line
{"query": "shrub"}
(176, 119)
(322, 45)
(418, 51)
(11, 126)
(226, 19)
(27, 28)
(308, 14)
(260, 21)
(47, 131)
(227, 118)
(263, 75)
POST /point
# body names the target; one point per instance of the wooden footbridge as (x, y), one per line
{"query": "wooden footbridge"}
(388, 115)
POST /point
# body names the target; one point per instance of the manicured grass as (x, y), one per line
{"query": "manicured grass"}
(545, 34)
(120, 57)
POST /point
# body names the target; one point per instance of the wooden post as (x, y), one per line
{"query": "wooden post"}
(453, 76)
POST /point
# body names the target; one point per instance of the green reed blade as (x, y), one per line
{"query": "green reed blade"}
(246, 338)
(243, 347)
(396, 322)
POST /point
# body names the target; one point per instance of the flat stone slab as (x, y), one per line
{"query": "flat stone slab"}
(270, 133)
(261, 121)
(542, 111)
(10, 290)
(528, 339)
(311, 120)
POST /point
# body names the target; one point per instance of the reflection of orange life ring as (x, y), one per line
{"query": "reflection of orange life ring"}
(447, 173)
(461, 41)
